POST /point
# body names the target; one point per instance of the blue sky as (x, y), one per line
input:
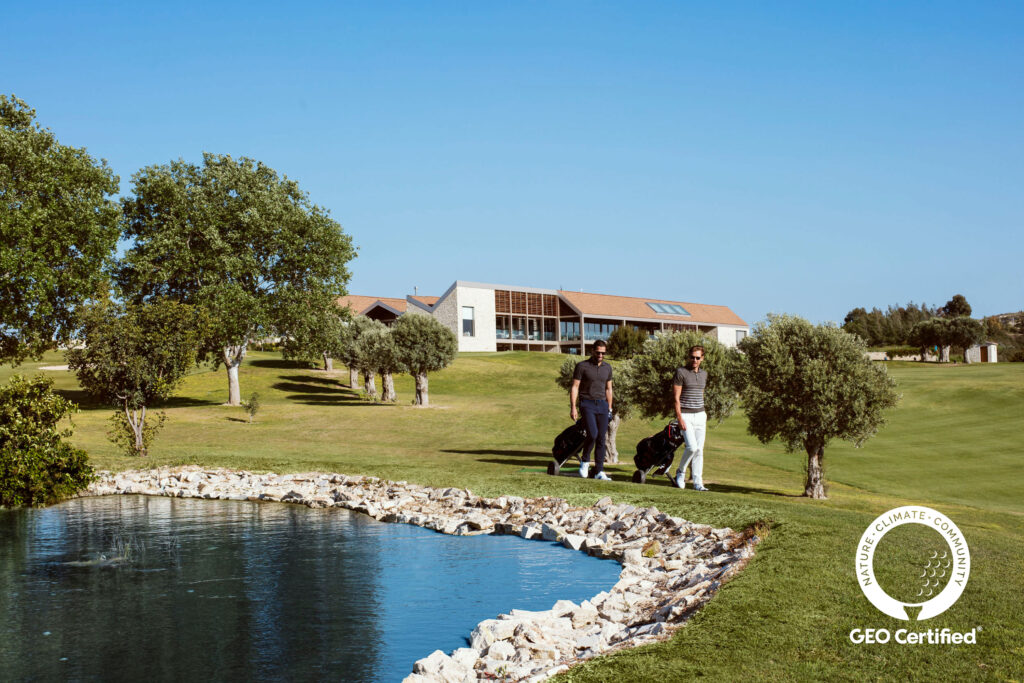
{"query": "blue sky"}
(773, 157)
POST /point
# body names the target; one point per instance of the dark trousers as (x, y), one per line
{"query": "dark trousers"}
(595, 416)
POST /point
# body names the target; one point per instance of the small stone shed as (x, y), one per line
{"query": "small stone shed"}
(985, 352)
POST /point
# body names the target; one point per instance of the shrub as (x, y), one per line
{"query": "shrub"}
(37, 467)
(252, 406)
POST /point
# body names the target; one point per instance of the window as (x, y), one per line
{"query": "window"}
(501, 330)
(669, 309)
(468, 328)
(740, 335)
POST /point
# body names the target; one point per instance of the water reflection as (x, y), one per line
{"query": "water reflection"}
(127, 587)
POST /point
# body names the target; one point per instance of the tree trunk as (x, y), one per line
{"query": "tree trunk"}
(387, 381)
(233, 356)
(422, 397)
(814, 487)
(353, 378)
(924, 354)
(370, 382)
(611, 452)
(328, 363)
(944, 354)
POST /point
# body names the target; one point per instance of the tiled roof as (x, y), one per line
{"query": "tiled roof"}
(608, 306)
(361, 304)
(426, 300)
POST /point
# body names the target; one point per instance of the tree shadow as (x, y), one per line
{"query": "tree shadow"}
(492, 451)
(521, 463)
(326, 381)
(236, 419)
(732, 488)
(307, 387)
(280, 364)
(87, 402)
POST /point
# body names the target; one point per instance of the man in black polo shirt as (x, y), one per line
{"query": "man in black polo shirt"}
(592, 384)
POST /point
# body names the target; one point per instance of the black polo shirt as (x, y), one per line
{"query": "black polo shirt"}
(593, 379)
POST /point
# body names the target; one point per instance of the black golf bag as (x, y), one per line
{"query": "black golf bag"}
(567, 444)
(657, 452)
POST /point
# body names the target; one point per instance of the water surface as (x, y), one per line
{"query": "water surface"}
(134, 587)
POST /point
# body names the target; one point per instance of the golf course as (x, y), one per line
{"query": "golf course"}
(953, 444)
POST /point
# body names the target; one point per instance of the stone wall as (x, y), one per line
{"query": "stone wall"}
(670, 567)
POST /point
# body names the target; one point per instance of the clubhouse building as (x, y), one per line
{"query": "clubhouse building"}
(488, 317)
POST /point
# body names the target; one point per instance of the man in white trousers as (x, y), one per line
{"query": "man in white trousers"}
(688, 394)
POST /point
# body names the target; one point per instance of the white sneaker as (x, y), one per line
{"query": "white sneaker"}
(680, 481)
(699, 487)
(602, 476)
(584, 469)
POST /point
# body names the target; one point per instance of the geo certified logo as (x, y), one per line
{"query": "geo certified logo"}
(952, 567)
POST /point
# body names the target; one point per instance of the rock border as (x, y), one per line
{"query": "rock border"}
(670, 567)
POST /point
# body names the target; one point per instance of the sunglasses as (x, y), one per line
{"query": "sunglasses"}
(696, 357)
(599, 353)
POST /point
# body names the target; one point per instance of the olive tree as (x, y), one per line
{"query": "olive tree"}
(620, 406)
(424, 345)
(133, 357)
(378, 352)
(237, 239)
(962, 333)
(625, 342)
(647, 377)
(925, 335)
(58, 231)
(808, 384)
(350, 352)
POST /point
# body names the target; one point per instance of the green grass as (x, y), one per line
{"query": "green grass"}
(952, 444)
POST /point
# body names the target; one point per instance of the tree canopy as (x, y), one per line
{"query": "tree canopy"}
(956, 307)
(424, 345)
(808, 384)
(234, 237)
(58, 231)
(648, 375)
(625, 342)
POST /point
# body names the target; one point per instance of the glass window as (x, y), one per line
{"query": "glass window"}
(518, 327)
(501, 330)
(670, 309)
(468, 328)
(740, 334)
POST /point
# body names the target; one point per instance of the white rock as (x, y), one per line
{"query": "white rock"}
(501, 650)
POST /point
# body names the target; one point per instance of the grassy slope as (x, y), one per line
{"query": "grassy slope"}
(951, 445)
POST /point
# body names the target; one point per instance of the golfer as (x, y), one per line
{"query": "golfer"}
(592, 384)
(688, 401)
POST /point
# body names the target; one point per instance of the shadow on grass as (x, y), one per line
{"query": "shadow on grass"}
(87, 402)
(307, 387)
(492, 451)
(281, 364)
(731, 488)
(303, 379)
(236, 419)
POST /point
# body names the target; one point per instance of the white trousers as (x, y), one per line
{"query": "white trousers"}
(693, 455)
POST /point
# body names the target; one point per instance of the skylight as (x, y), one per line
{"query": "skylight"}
(670, 309)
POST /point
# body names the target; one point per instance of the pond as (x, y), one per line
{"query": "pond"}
(135, 587)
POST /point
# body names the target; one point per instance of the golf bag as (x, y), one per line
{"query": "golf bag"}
(657, 452)
(567, 444)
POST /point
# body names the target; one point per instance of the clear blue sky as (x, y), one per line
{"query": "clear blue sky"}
(773, 157)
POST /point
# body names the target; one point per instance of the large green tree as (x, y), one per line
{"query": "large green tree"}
(956, 307)
(647, 377)
(625, 342)
(58, 231)
(424, 345)
(808, 384)
(234, 237)
(135, 356)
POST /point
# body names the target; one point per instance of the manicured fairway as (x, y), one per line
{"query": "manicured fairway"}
(953, 444)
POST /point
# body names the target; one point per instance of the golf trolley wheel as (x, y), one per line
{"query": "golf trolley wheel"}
(639, 477)
(553, 469)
